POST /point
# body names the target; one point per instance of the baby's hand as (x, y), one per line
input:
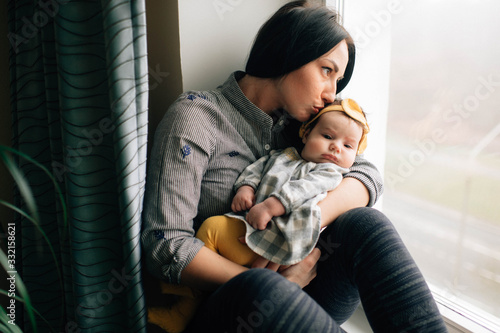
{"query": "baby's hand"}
(244, 199)
(259, 216)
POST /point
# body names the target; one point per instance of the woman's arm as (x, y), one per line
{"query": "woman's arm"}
(367, 173)
(199, 275)
(351, 193)
(361, 187)
(176, 167)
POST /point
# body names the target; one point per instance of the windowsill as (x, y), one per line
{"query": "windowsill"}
(460, 317)
(457, 319)
(357, 323)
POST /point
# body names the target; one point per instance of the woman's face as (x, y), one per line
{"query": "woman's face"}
(306, 90)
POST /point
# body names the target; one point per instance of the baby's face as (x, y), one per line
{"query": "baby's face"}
(334, 139)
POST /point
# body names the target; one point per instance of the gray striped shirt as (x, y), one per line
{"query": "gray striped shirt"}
(204, 141)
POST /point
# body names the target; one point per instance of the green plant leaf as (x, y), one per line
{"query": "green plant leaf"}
(32, 216)
(34, 310)
(5, 326)
(4, 149)
(39, 228)
(20, 289)
(22, 184)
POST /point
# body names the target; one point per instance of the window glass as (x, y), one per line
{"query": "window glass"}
(442, 167)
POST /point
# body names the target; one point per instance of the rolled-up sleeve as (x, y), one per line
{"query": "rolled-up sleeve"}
(182, 147)
(367, 173)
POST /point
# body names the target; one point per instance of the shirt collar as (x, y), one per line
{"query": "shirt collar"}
(232, 91)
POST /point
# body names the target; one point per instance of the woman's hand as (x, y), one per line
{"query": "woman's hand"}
(301, 273)
(244, 199)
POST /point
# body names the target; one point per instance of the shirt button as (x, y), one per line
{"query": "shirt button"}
(267, 147)
(281, 122)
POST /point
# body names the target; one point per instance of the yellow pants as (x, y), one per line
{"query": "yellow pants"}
(220, 234)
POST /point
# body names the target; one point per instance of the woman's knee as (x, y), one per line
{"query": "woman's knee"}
(357, 223)
(262, 283)
(356, 232)
(365, 216)
(265, 297)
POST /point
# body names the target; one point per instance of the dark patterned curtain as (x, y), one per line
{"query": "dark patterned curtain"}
(79, 107)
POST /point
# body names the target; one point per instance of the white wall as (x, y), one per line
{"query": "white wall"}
(216, 37)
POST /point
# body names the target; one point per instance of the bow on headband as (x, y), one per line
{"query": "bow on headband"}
(353, 110)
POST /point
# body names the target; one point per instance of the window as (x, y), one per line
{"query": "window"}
(428, 75)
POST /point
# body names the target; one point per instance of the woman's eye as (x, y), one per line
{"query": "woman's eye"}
(327, 70)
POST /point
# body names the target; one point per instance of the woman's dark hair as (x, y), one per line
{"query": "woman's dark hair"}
(295, 35)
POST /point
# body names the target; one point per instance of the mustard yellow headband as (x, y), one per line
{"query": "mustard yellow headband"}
(350, 108)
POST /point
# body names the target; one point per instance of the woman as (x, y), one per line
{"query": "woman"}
(300, 59)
